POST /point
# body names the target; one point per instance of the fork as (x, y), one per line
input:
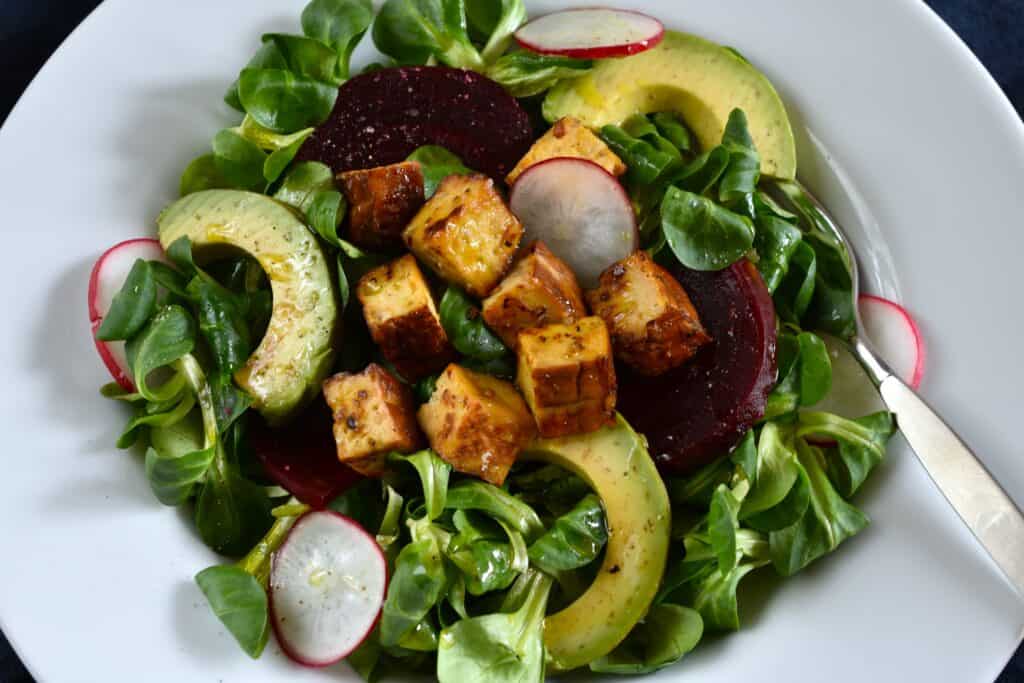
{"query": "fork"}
(967, 485)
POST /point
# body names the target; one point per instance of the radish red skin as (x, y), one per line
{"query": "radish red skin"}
(695, 414)
(145, 248)
(285, 646)
(597, 51)
(920, 354)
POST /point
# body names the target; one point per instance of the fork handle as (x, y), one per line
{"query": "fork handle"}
(981, 502)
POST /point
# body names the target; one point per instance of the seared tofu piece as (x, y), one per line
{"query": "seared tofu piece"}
(653, 324)
(374, 414)
(402, 318)
(381, 203)
(540, 290)
(567, 375)
(477, 423)
(569, 138)
(466, 233)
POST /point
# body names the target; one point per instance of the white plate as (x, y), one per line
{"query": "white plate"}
(901, 132)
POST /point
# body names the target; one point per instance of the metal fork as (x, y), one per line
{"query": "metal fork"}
(970, 489)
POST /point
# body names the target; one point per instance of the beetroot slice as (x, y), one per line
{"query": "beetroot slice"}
(698, 412)
(302, 458)
(382, 116)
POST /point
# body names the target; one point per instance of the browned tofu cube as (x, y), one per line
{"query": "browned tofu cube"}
(653, 324)
(539, 290)
(569, 138)
(477, 423)
(567, 375)
(402, 317)
(374, 414)
(381, 202)
(466, 233)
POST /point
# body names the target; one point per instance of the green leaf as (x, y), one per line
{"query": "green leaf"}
(794, 293)
(417, 584)
(307, 57)
(777, 471)
(465, 327)
(511, 15)
(232, 513)
(240, 603)
(672, 128)
(436, 164)
(339, 24)
(486, 565)
(239, 161)
(832, 308)
(498, 648)
(697, 489)
(283, 101)
(156, 415)
(815, 369)
(433, 473)
(525, 74)
(715, 597)
(202, 173)
(744, 169)
(411, 31)
(168, 336)
(325, 212)
(861, 445)
(827, 522)
(574, 539)
(701, 174)
(645, 162)
(425, 388)
(267, 57)
(222, 323)
(666, 634)
(229, 402)
(279, 160)
(173, 477)
(702, 234)
(303, 182)
(496, 502)
(787, 512)
(723, 523)
(775, 242)
(805, 373)
(133, 305)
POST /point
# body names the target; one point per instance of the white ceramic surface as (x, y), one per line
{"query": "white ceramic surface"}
(901, 132)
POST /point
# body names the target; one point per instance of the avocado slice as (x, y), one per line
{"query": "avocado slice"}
(286, 369)
(700, 80)
(615, 463)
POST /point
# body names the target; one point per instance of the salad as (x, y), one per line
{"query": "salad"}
(508, 355)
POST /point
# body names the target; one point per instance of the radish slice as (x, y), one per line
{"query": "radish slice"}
(579, 211)
(327, 587)
(108, 275)
(899, 342)
(893, 331)
(592, 33)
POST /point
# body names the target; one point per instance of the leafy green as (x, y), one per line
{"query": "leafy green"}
(361, 502)
(805, 373)
(173, 477)
(411, 31)
(417, 584)
(723, 523)
(744, 169)
(854, 460)
(202, 173)
(325, 213)
(240, 602)
(702, 234)
(525, 73)
(433, 473)
(465, 327)
(508, 17)
(232, 513)
(646, 163)
(496, 502)
(279, 159)
(283, 101)
(775, 243)
(498, 648)
(831, 308)
(266, 57)
(168, 336)
(715, 597)
(339, 24)
(574, 540)
(222, 323)
(307, 57)
(827, 522)
(304, 180)
(671, 128)
(787, 512)
(239, 160)
(776, 471)
(133, 305)
(795, 290)
(436, 164)
(487, 562)
(666, 634)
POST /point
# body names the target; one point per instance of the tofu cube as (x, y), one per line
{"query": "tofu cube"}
(466, 233)
(539, 290)
(567, 375)
(381, 203)
(653, 324)
(569, 138)
(477, 423)
(400, 312)
(374, 414)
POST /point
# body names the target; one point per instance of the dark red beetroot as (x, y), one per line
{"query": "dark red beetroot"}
(302, 458)
(699, 411)
(382, 116)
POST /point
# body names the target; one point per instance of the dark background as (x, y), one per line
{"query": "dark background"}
(30, 30)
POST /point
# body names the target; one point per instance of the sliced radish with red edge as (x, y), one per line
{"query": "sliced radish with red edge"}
(327, 587)
(580, 211)
(591, 33)
(898, 340)
(108, 275)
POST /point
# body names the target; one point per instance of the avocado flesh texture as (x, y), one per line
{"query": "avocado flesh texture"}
(700, 80)
(285, 371)
(615, 463)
